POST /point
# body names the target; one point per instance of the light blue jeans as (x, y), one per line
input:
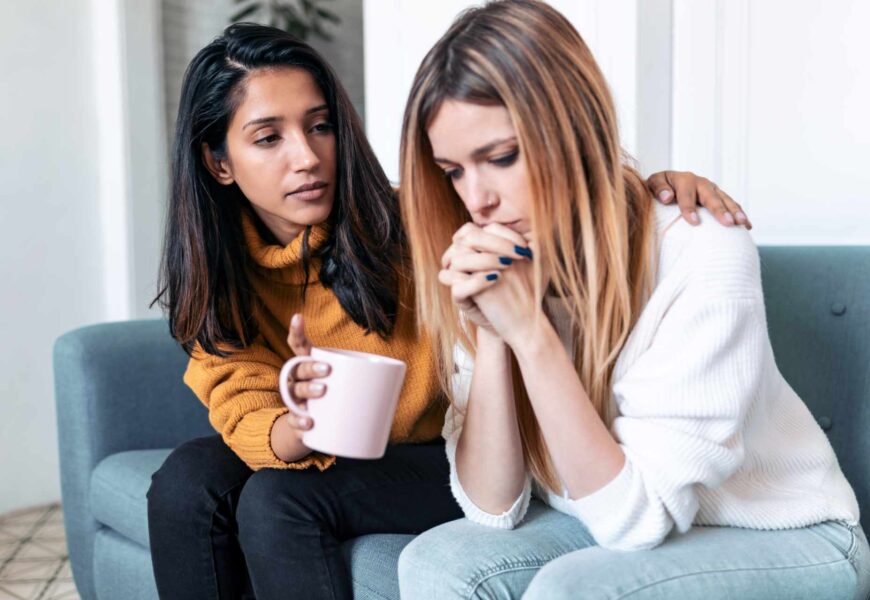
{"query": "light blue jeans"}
(551, 556)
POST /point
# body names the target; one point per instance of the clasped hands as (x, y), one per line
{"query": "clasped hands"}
(490, 271)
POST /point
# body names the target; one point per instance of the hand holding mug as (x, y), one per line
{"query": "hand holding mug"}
(299, 385)
(349, 414)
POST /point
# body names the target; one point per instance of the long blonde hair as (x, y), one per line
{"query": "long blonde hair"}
(592, 214)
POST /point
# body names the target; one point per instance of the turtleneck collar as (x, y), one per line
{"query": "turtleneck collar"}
(283, 263)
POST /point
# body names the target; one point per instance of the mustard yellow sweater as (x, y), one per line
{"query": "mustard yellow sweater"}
(241, 391)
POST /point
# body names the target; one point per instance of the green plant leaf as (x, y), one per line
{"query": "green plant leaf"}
(246, 12)
(328, 16)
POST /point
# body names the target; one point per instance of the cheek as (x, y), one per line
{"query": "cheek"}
(326, 152)
(258, 175)
(461, 190)
(515, 191)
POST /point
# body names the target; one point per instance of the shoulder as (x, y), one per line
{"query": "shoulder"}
(713, 258)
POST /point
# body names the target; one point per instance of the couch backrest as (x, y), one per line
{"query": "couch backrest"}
(818, 313)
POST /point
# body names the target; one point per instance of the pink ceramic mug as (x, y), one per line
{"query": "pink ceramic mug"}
(353, 418)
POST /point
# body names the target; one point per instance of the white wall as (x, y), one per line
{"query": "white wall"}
(83, 187)
(771, 99)
(82, 182)
(398, 33)
(768, 98)
(50, 245)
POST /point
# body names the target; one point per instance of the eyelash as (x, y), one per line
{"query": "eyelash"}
(266, 141)
(324, 127)
(501, 161)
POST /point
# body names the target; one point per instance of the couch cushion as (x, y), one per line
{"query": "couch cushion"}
(119, 486)
(818, 312)
(122, 568)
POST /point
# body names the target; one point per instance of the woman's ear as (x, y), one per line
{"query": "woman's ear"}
(219, 169)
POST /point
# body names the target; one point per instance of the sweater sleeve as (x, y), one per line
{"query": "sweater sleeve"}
(452, 429)
(682, 402)
(241, 394)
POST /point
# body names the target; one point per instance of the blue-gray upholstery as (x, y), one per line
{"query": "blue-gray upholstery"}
(121, 407)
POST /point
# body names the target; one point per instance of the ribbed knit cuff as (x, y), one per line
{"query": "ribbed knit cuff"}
(599, 506)
(256, 449)
(506, 520)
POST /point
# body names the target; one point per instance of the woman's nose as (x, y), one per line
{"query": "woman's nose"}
(479, 196)
(302, 155)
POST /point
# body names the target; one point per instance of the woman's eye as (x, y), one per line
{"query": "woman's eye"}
(505, 160)
(452, 174)
(322, 127)
(267, 140)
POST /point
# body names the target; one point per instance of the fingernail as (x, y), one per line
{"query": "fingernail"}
(527, 252)
(741, 217)
(305, 422)
(316, 388)
(694, 218)
(321, 368)
(505, 260)
(492, 277)
(665, 195)
(295, 320)
(729, 218)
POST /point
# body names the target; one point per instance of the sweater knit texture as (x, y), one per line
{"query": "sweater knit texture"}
(712, 433)
(241, 390)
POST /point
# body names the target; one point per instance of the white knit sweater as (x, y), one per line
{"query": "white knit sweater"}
(712, 433)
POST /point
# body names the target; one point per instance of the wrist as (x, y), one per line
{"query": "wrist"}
(538, 339)
(487, 339)
(286, 441)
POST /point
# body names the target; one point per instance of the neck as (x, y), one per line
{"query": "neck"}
(283, 230)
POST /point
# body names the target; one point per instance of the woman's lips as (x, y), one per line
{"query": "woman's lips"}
(309, 192)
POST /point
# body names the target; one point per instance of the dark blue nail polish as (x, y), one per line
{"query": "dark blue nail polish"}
(505, 260)
(527, 252)
(492, 277)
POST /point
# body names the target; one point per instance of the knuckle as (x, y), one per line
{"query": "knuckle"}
(302, 373)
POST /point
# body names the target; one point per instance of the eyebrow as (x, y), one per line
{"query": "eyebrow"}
(269, 120)
(482, 151)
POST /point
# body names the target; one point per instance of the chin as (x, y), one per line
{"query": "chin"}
(310, 214)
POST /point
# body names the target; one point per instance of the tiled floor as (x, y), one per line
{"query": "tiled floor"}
(33, 559)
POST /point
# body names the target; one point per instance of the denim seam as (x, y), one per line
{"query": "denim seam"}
(737, 570)
(853, 548)
(329, 573)
(509, 567)
(213, 503)
(208, 546)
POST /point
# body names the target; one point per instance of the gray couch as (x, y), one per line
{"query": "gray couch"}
(121, 407)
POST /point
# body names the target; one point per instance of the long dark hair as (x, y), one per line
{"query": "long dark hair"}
(204, 285)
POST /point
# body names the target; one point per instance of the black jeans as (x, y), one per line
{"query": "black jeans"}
(210, 517)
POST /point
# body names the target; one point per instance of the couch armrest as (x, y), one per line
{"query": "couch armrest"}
(118, 386)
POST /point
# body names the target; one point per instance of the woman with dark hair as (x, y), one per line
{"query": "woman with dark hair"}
(280, 214)
(279, 208)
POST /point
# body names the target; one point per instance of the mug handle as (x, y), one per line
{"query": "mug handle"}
(283, 379)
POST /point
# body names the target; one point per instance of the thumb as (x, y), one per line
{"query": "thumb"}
(296, 339)
(661, 188)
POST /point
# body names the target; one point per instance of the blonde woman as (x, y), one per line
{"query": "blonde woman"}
(603, 356)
